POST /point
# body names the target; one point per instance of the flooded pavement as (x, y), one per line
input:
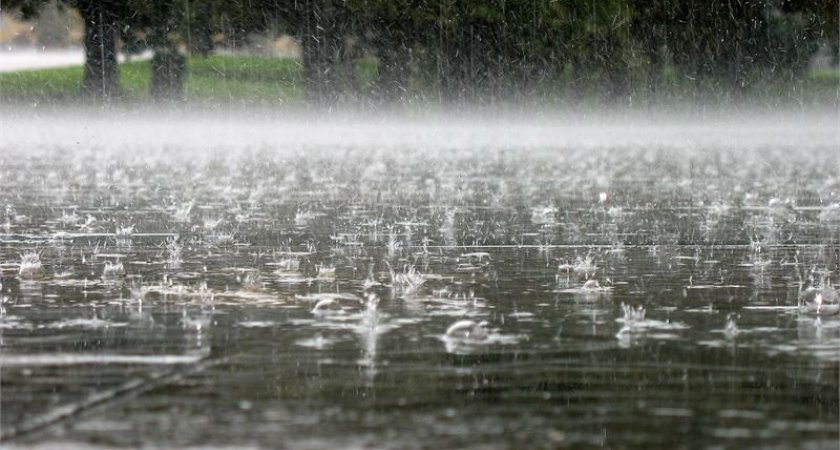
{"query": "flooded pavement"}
(397, 286)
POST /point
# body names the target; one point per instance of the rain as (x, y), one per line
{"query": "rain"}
(419, 224)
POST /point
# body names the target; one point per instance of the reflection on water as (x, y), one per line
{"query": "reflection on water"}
(488, 298)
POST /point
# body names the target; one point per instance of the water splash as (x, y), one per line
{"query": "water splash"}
(633, 315)
(467, 331)
(30, 265)
(408, 281)
(731, 329)
(112, 270)
(173, 252)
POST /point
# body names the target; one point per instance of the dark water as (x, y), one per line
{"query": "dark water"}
(298, 295)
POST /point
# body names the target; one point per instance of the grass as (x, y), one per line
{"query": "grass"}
(829, 77)
(214, 79)
(224, 79)
(39, 85)
(249, 80)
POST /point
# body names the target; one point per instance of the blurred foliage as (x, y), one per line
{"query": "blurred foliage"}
(489, 50)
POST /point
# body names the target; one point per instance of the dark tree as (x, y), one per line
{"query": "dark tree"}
(101, 21)
(102, 25)
(159, 24)
(476, 50)
(319, 46)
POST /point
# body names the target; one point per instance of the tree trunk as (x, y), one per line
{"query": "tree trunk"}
(201, 41)
(169, 69)
(318, 46)
(316, 71)
(616, 67)
(169, 66)
(454, 76)
(101, 79)
(393, 61)
(655, 69)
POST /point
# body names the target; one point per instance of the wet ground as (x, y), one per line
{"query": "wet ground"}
(400, 286)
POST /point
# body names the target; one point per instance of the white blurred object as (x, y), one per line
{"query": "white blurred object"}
(16, 59)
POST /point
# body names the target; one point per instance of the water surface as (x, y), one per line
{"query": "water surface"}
(290, 283)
